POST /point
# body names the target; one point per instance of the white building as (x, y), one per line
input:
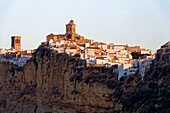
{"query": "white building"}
(122, 69)
(2, 51)
(145, 51)
(102, 46)
(101, 60)
(90, 52)
(59, 50)
(144, 65)
(122, 56)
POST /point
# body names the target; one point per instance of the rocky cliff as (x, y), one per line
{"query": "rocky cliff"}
(51, 82)
(150, 94)
(57, 83)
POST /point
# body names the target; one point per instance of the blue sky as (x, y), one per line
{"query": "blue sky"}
(133, 22)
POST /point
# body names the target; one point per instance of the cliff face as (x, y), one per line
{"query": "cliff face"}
(52, 82)
(150, 94)
(57, 83)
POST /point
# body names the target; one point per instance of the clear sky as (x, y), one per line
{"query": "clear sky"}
(133, 22)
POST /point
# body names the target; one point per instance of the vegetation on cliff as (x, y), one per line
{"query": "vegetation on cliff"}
(150, 94)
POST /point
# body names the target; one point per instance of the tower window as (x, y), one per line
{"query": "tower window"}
(17, 41)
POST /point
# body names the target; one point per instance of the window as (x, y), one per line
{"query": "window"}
(17, 41)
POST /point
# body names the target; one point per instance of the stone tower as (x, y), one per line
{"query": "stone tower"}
(71, 30)
(16, 43)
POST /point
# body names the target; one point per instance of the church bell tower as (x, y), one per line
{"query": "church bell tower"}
(71, 30)
(16, 43)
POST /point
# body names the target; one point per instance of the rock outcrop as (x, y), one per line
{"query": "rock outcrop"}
(150, 94)
(52, 82)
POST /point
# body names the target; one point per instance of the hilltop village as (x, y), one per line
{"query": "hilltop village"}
(126, 60)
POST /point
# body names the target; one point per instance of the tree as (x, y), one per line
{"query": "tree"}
(136, 55)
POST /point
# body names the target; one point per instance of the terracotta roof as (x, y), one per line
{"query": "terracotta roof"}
(60, 35)
(103, 43)
(108, 46)
(120, 45)
(25, 53)
(50, 35)
(93, 48)
(72, 46)
(80, 44)
(100, 57)
(95, 43)
(87, 41)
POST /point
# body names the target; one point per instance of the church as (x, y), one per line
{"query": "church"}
(70, 34)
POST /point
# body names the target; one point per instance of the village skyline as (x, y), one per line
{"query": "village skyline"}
(43, 39)
(62, 34)
(93, 52)
(55, 33)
